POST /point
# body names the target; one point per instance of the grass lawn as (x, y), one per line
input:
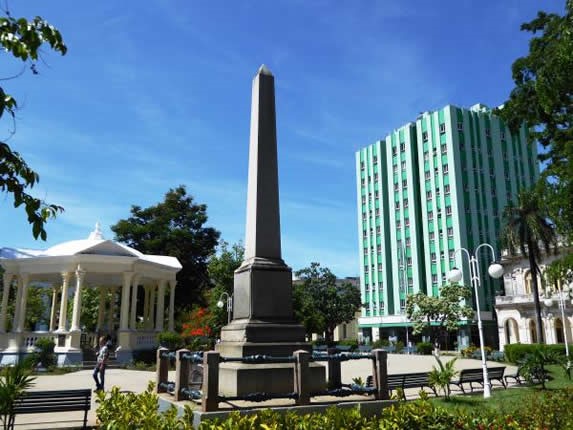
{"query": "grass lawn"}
(506, 401)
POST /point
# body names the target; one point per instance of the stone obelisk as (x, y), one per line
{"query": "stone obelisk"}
(263, 320)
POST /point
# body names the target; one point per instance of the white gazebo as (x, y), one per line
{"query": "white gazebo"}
(115, 270)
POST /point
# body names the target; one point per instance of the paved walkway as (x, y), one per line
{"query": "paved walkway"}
(136, 381)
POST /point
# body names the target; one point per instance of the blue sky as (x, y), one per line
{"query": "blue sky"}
(153, 94)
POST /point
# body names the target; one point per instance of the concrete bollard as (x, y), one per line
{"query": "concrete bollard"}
(182, 368)
(302, 377)
(334, 372)
(380, 373)
(161, 373)
(210, 391)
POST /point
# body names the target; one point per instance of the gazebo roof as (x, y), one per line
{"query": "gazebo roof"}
(94, 250)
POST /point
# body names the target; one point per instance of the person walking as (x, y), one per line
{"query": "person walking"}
(102, 356)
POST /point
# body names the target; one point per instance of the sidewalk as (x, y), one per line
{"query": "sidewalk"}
(136, 381)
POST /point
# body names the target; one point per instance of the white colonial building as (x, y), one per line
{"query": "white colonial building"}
(516, 310)
(116, 271)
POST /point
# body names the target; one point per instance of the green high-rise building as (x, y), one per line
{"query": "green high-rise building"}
(430, 187)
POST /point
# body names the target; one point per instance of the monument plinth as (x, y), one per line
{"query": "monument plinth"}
(263, 320)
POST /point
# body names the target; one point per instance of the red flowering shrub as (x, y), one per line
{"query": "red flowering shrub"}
(198, 324)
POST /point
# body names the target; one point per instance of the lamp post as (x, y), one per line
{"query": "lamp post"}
(495, 270)
(229, 300)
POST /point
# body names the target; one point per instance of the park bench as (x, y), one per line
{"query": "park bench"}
(517, 377)
(405, 380)
(37, 402)
(364, 348)
(469, 376)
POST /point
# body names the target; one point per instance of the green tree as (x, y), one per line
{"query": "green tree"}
(320, 303)
(174, 227)
(36, 308)
(439, 315)
(561, 270)
(221, 269)
(23, 39)
(90, 308)
(542, 99)
(14, 381)
(441, 377)
(526, 227)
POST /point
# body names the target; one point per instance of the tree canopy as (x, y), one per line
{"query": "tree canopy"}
(526, 228)
(543, 99)
(438, 315)
(23, 39)
(174, 227)
(320, 303)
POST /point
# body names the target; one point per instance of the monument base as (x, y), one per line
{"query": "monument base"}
(237, 379)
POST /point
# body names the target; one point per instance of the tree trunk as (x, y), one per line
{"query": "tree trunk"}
(533, 271)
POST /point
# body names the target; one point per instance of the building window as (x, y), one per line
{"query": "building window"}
(398, 224)
(405, 203)
(381, 306)
(378, 229)
(395, 168)
(362, 181)
(376, 194)
(452, 254)
(375, 159)
(445, 168)
(409, 261)
(362, 165)
(376, 177)
(424, 136)
(365, 250)
(403, 165)
(402, 305)
(396, 205)
(394, 150)
(379, 267)
(437, 192)
(487, 132)
(442, 255)
(441, 233)
(379, 248)
(427, 174)
(430, 215)
(426, 155)
(429, 194)
(402, 147)
(404, 183)
(447, 189)
(364, 217)
(502, 136)
(408, 241)
(434, 278)
(364, 233)
(442, 128)
(433, 257)
(407, 222)
(366, 268)
(460, 126)
(396, 186)
(435, 170)
(363, 199)
(432, 235)
(448, 210)
(444, 149)
(450, 232)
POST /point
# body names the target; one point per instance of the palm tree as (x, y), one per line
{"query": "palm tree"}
(527, 228)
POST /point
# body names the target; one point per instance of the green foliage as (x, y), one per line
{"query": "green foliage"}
(170, 340)
(469, 351)
(321, 304)
(439, 314)
(14, 381)
(380, 343)
(424, 348)
(442, 376)
(90, 308)
(561, 270)
(533, 365)
(45, 350)
(542, 100)
(514, 353)
(174, 227)
(221, 269)
(23, 39)
(131, 411)
(353, 344)
(526, 226)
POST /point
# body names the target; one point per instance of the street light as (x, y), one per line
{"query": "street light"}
(229, 299)
(495, 270)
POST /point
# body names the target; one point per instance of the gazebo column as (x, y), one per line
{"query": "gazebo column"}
(133, 315)
(160, 316)
(24, 281)
(151, 310)
(124, 313)
(171, 324)
(64, 302)
(110, 321)
(77, 300)
(53, 312)
(7, 280)
(101, 309)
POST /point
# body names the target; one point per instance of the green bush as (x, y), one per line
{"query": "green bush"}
(514, 353)
(380, 343)
(469, 351)
(45, 351)
(353, 344)
(170, 340)
(424, 348)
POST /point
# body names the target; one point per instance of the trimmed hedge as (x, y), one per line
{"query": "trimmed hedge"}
(514, 353)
